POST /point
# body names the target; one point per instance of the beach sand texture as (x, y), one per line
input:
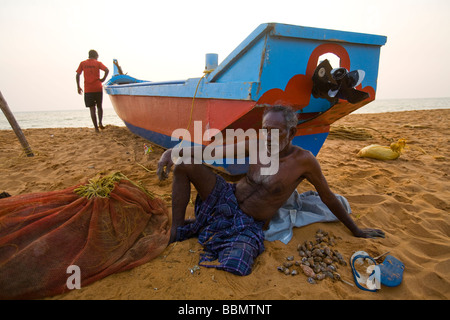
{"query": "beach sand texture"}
(408, 198)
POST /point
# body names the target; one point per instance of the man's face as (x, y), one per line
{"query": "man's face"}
(275, 121)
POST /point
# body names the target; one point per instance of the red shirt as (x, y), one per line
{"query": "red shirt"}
(91, 69)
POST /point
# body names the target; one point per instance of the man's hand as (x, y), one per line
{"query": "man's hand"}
(77, 78)
(106, 74)
(165, 162)
(369, 233)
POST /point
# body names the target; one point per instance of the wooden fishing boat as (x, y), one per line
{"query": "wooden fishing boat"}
(276, 64)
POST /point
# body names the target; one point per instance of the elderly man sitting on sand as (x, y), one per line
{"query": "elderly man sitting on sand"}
(230, 217)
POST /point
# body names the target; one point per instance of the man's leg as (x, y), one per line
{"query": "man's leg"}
(238, 257)
(203, 179)
(94, 117)
(100, 117)
(100, 110)
(89, 101)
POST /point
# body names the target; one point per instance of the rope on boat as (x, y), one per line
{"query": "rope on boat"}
(205, 73)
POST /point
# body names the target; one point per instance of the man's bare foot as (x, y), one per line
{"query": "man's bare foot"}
(101, 127)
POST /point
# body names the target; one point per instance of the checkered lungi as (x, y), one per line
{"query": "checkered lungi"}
(226, 233)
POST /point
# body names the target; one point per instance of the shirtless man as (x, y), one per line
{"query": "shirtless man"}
(257, 198)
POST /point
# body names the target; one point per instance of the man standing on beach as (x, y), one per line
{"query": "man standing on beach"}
(93, 89)
(230, 217)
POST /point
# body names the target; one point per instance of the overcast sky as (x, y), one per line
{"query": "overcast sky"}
(42, 42)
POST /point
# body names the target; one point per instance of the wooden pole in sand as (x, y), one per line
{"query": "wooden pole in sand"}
(12, 121)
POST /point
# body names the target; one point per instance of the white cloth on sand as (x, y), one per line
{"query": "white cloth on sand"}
(298, 211)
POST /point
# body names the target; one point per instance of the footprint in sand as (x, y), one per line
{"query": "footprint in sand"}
(436, 202)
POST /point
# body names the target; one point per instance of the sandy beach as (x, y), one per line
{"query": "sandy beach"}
(408, 198)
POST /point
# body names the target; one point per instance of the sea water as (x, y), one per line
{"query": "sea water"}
(59, 119)
(396, 105)
(82, 118)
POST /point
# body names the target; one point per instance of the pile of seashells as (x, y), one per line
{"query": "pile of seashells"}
(318, 260)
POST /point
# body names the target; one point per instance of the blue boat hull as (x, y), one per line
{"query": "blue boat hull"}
(276, 64)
